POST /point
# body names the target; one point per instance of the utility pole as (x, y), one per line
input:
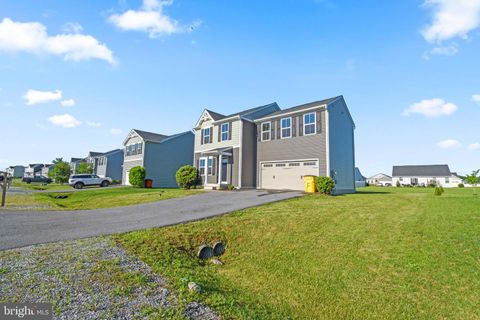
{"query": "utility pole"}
(4, 188)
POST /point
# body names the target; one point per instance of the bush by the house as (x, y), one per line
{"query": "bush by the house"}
(230, 187)
(461, 185)
(136, 177)
(398, 184)
(186, 177)
(324, 185)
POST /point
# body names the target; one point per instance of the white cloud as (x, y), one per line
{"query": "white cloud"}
(67, 103)
(451, 19)
(93, 124)
(64, 120)
(72, 27)
(449, 143)
(476, 98)
(431, 108)
(474, 146)
(32, 37)
(35, 96)
(151, 19)
(115, 131)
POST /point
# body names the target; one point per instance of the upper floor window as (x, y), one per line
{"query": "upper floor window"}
(286, 125)
(207, 134)
(139, 148)
(225, 131)
(133, 149)
(266, 131)
(201, 167)
(309, 123)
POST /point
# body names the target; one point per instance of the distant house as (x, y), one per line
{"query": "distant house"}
(74, 162)
(424, 175)
(16, 171)
(92, 158)
(360, 180)
(380, 179)
(110, 164)
(46, 169)
(159, 154)
(33, 170)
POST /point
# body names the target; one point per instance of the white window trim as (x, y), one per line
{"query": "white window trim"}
(204, 166)
(314, 124)
(227, 124)
(269, 131)
(210, 131)
(282, 128)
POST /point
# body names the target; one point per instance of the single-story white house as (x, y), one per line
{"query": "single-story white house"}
(380, 179)
(424, 175)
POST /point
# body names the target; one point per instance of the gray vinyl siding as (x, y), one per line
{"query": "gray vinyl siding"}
(296, 147)
(113, 166)
(236, 166)
(342, 147)
(232, 168)
(249, 155)
(162, 160)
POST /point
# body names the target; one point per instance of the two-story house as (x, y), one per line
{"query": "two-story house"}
(310, 139)
(110, 164)
(92, 159)
(225, 147)
(16, 171)
(47, 169)
(74, 162)
(159, 154)
(33, 170)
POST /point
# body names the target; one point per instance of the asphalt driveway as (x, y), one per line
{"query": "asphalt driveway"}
(22, 228)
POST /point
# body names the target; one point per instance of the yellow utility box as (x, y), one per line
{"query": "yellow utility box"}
(309, 183)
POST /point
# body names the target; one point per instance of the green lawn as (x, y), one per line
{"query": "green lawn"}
(39, 186)
(94, 198)
(379, 254)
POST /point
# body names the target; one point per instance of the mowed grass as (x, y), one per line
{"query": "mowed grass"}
(95, 198)
(383, 253)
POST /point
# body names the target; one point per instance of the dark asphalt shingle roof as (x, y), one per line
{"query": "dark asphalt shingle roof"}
(438, 170)
(150, 136)
(217, 116)
(303, 106)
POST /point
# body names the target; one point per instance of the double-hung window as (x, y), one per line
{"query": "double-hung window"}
(266, 131)
(201, 166)
(207, 133)
(139, 148)
(309, 123)
(286, 125)
(225, 131)
(210, 166)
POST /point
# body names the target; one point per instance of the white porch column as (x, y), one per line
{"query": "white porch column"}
(219, 164)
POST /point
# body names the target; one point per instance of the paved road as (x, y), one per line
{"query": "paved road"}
(22, 228)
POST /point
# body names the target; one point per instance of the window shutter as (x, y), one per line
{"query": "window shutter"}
(201, 136)
(294, 126)
(259, 132)
(272, 130)
(318, 119)
(230, 131)
(211, 135)
(278, 128)
(300, 125)
(219, 133)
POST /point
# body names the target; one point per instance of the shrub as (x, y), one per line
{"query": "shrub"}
(438, 191)
(461, 185)
(136, 177)
(230, 187)
(398, 184)
(186, 177)
(324, 185)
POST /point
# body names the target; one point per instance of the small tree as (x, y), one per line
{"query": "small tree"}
(61, 172)
(136, 176)
(473, 179)
(438, 191)
(398, 184)
(85, 168)
(186, 177)
(324, 185)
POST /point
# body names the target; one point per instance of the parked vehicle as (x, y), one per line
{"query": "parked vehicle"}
(40, 179)
(79, 181)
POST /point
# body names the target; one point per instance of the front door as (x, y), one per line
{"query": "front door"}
(224, 170)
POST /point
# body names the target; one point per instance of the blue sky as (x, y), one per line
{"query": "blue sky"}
(409, 71)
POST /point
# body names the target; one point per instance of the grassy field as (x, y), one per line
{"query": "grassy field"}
(94, 198)
(382, 253)
(39, 186)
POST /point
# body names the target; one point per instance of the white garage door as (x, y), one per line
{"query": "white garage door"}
(287, 175)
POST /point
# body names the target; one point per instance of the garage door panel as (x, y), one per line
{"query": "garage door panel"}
(287, 175)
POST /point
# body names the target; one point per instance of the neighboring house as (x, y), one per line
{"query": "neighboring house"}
(311, 139)
(33, 170)
(424, 175)
(360, 180)
(16, 171)
(74, 162)
(225, 147)
(380, 179)
(46, 169)
(92, 159)
(160, 155)
(110, 164)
